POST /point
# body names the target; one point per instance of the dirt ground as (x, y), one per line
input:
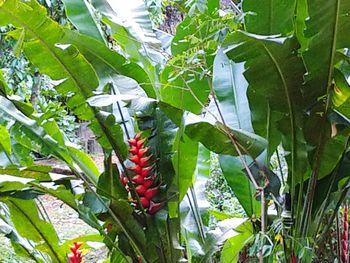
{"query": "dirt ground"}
(68, 226)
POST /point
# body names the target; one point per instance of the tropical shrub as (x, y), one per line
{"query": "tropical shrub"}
(242, 85)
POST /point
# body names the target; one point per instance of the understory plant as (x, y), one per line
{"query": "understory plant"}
(267, 80)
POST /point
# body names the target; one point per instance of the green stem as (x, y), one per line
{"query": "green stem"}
(326, 229)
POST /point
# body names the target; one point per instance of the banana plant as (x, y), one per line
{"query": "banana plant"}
(83, 65)
(271, 76)
(269, 80)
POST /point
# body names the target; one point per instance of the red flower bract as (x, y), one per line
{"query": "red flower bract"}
(76, 256)
(142, 178)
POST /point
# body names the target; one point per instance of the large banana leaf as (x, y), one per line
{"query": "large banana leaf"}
(269, 17)
(202, 242)
(327, 29)
(184, 161)
(325, 38)
(242, 187)
(274, 73)
(231, 91)
(137, 53)
(132, 30)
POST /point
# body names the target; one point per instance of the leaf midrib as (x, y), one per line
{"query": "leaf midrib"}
(334, 43)
(290, 109)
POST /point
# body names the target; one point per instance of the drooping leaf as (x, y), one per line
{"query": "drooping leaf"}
(35, 137)
(83, 17)
(108, 63)
(84, 160)
(28, 134)
(134, 17)
(40, 173)
(216, 139)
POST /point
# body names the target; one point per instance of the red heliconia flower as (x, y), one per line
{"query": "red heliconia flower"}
(293, 259)
(145, 202)
(76, 256)
(142, 152)
(148, 183)
(138, 179)
(151, 192)
(141, 189)
(154, 208)
(133, 150)
(143, 179)
(146, 171)
(345, 236)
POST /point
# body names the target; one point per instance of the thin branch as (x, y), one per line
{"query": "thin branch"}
(123, 121)
(280, 167)
(263, 224)
(201, 225)
(235, 7)
(338, 237)
(43, 211)
(234, 142)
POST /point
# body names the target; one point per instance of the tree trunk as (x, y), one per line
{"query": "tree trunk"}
(35, 90)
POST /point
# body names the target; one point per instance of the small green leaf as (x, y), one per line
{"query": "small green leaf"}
(234, 245)
(5, 140)
(19, 45)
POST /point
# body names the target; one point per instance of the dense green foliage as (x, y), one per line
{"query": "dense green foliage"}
(250, 86)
